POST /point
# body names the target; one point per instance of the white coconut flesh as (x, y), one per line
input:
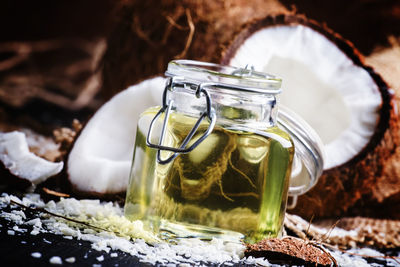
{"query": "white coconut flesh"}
(101, 156)
(16, 157)
(321, 83)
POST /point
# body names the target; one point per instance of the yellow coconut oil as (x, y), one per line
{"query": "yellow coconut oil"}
(234, 184)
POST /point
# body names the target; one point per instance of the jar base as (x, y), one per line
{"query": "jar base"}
(170, 231)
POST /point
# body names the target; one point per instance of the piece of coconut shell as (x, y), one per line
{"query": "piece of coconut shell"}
(22, 168)
(353, 183)
(149, 34)
(291, 251)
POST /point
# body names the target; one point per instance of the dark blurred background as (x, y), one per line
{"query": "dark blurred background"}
(22, 20)
(364, 22)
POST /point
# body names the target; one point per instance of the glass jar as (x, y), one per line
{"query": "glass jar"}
(216, 160)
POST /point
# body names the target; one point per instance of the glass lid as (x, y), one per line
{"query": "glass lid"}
(246, 79)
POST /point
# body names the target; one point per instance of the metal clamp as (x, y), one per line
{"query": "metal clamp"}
(209, 113)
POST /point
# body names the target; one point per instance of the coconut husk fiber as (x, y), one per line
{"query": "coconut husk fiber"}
(347, 231)
(387, 189)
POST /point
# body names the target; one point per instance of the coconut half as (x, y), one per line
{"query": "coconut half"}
(23, 164)
(325, 82)
(339, 99)
(100, 160)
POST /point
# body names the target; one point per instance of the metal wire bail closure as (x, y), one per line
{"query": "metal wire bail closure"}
(166, 108)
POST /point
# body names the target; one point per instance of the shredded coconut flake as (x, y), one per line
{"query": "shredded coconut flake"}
(36, 255)
(35, 222)
(10, 232)
(55, 260)
(70, 259)
(35, 232)
(20, 230)
(129, 237)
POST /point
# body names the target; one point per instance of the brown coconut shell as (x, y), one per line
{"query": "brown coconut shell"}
(291, 251)
(148, 34)
(345, 188)
(387, 190)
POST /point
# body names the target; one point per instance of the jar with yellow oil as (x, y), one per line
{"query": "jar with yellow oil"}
(218, 159)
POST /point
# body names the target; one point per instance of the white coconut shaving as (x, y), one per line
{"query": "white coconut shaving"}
(36, 255)
(101, 157)
(130, 237)
(55, 260)
(19, 230)
(16, 157)
(10, 232)
(70, 259)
